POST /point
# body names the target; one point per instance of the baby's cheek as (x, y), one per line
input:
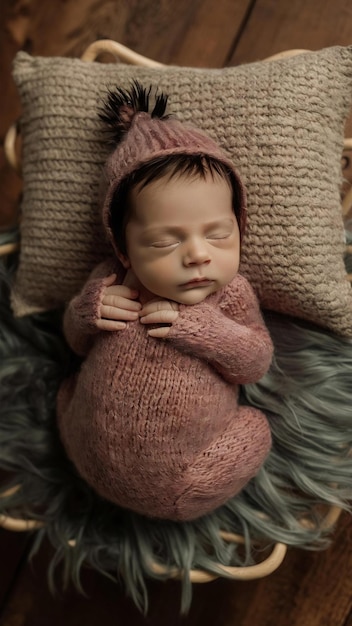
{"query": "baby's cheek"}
(150, 278)
(161, 272)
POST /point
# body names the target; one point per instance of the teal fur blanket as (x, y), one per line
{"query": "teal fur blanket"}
(306, 394)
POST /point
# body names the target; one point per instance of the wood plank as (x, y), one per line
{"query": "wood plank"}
(13, 548)
(310, 588)
(105, 602)
(210, 38)
(197, 32)
(10, 184)
(310, 24)
(348, 622)
(200, 31)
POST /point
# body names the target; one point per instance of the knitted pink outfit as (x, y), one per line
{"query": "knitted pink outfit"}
(154, 425)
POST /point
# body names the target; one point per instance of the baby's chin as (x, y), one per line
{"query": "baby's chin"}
(196, 295)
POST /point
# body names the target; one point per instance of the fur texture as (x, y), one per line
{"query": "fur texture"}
(121, 105)
(308, 394)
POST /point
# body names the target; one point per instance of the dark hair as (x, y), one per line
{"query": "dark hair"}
(190, 166)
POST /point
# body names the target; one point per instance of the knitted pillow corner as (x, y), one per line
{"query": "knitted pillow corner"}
(282, 124)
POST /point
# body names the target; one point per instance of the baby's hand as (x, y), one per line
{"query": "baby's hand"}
(118, 306)
(159, 312)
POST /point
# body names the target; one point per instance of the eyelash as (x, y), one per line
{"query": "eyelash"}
(169, 244)
(218, 236)
(164, 244)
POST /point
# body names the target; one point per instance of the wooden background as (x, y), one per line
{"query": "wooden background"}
(310, 589)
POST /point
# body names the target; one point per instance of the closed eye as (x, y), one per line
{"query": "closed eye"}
(164, 244)
(219, 235)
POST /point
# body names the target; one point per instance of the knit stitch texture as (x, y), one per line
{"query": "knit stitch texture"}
(280, 122)
(155, 426)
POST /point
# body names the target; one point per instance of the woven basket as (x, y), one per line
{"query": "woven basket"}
(277, 555)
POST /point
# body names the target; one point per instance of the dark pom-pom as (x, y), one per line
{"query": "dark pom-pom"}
(121, 105)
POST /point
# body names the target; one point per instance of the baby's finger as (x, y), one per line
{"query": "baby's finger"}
(116, 313)
(109, 280)
(160, 317)
(121, 302)
(110, 325)
(159, 333)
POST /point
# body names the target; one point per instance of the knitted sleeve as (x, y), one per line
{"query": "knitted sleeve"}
(80, 317)
(230, 334)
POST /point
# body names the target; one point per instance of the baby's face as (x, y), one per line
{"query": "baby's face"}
(183, 241)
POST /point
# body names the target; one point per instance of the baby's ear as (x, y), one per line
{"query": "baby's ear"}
(124, 260)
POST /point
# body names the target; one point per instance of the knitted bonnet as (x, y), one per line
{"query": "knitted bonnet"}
(139, 136)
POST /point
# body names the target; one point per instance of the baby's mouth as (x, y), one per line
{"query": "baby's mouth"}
(197, 282)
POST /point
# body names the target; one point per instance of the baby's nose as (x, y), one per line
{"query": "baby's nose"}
(196, 253)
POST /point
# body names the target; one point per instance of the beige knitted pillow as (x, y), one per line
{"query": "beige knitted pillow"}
(282, 124)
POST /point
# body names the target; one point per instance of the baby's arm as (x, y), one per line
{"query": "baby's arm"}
(101, 305)
(231, 335)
